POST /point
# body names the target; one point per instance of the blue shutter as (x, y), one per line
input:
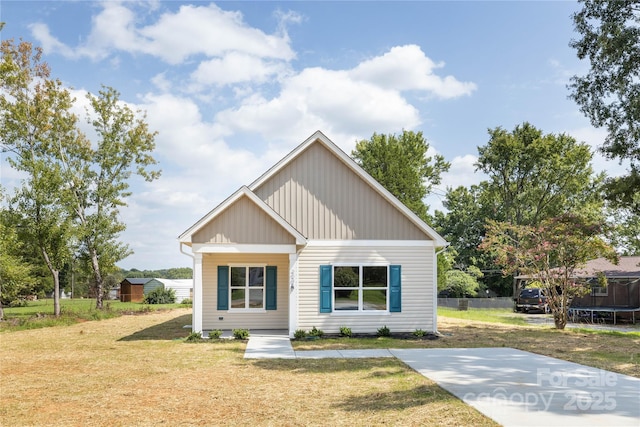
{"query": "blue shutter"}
(395, 280)
(325, 288)
(223, 287)
(272, 287)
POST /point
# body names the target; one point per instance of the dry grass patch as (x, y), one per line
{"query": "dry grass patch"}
(136, 370)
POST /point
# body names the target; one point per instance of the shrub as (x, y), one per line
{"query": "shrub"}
(241, 334)
(345, 332)
(160, 296)
(384, 332)
(215, 334)
(299, 334)
(194, 337)
(186, 301)
(419, 333)
(315, 332)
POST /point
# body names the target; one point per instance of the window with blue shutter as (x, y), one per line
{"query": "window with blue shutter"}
(325, 288)
(272, 288)
(223, 287)
(395, 294)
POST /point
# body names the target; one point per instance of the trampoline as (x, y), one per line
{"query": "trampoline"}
(580, 312)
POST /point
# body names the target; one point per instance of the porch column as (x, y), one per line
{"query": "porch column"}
(196, 322)
(293, 293)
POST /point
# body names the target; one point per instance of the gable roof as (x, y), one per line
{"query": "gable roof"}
(319, 137)
(243, 191)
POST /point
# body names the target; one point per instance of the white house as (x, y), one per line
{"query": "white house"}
(315, 241)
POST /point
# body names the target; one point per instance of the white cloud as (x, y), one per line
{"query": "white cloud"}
(408, 68)
(192, 30)
(236, 67)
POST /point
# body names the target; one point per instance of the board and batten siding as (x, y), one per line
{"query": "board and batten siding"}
(322, 198)
(269, 319)
(417, 288)
(243, 222)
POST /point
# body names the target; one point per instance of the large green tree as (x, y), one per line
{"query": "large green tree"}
(35, 119)
(402, 165)
(67, 176)
(533, 176)
(609, 94)
(100, 177)
(551, 253)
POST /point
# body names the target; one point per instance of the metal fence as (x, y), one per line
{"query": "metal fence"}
(501, 302)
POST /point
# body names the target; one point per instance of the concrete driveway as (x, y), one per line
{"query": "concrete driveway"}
(513, 387)
(518, 388)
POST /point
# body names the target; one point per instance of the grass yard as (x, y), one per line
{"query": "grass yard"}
(39, 313)
(136, 370)
(499, 315)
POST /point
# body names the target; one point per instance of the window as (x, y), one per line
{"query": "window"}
(597, 291)
(360, 288)
(246, 285)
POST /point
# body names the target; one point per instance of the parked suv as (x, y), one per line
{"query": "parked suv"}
(531, 299)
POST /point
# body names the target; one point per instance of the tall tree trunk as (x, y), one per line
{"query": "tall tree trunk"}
(56, 282)
(93, 254)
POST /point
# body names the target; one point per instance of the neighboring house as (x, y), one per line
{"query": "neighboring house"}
(133, 289)
(315, 241)
(623, 283)
(182, 287)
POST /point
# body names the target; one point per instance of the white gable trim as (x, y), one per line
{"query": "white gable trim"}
(243, 191)
(439, 241)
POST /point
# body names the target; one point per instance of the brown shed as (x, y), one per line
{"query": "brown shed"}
(132, 289)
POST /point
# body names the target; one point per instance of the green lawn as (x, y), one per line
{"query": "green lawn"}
(39, 314)
(494, 315)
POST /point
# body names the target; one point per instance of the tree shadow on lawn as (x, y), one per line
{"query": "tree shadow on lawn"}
(167, 331)
(397, 399)
(380, 369)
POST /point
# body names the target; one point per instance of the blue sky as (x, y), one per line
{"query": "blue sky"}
(232, 87)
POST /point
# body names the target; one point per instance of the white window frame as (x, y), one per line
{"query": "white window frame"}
(247, 288)
(360, 289)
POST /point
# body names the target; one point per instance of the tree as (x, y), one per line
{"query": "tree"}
(34, 120)
(534, 176)
(551, 254)
(401, 164)
(99, 180)
(625, 233)
(609, 94)
(461, 284)
(15, 274)
(463, 223)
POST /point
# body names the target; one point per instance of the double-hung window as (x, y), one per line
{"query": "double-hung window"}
(247, 287)
(360, 288)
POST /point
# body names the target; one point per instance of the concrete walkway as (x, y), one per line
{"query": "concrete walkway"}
(513, 387)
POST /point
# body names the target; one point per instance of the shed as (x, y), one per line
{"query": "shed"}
(132, 289)
(182, 287)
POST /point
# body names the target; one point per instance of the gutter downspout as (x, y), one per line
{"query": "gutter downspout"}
(435, 288)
